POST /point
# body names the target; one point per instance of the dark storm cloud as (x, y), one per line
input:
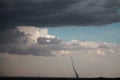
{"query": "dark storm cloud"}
(58, 12)
(10, 36)
(22, 49)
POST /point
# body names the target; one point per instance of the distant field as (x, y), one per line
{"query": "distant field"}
(52, 78)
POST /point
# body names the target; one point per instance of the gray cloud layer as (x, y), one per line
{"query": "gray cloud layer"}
(58, 12)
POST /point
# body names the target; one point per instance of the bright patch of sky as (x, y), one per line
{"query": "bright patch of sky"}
(110, 33)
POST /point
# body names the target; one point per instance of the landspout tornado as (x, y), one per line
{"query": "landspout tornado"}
(76, 74)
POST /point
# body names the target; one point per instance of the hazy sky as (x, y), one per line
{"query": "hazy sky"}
(37, 38)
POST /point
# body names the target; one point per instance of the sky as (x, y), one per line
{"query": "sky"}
(37, 38)
(108, 33)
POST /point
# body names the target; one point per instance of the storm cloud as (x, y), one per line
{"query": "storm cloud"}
(53, 13)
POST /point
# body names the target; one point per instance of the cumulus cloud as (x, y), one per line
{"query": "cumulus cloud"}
(58, 12)
(33, 33)
(35, 41)
(29, 41)
(90, 47)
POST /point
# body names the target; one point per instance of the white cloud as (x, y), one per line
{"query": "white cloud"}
(33, 33)
(73, 42)
(89, 44)
(112, 50)
(90, 47)
(100, 52)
